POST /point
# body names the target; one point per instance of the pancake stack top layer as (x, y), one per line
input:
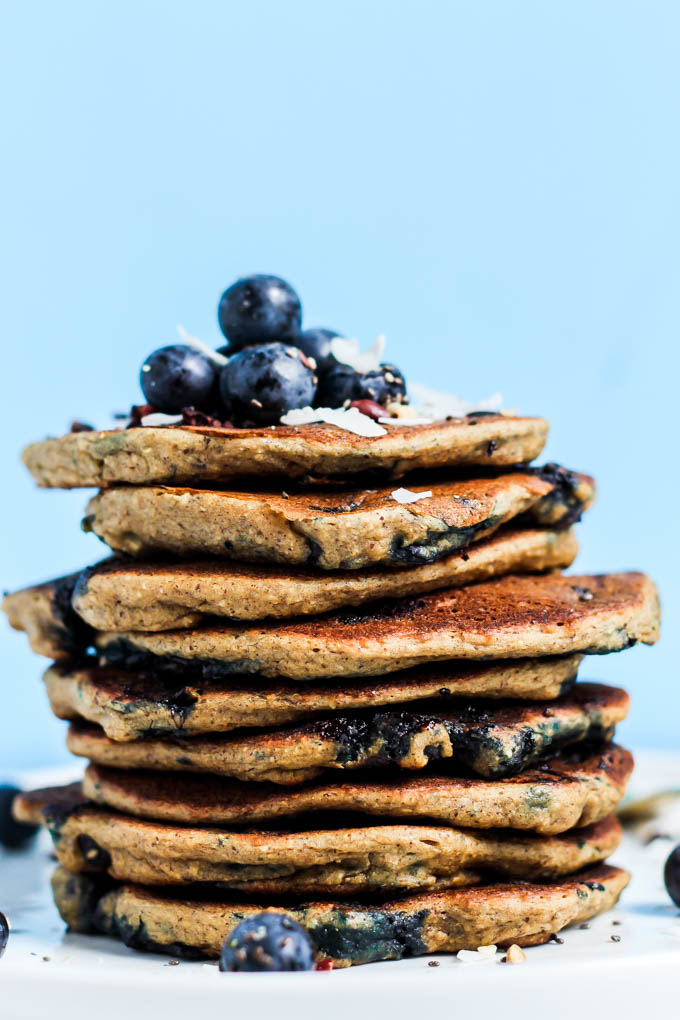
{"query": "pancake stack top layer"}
(298, 679)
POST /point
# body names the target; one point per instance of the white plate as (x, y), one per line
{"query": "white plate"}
(47, 973)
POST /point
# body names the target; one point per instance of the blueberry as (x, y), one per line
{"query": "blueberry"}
(267, 942)
(258, 309)
(13, 834)
(4, 933)
(343, 384)
(259, 384)
(671, 875)
(178, 376)
(316, 343)
(338, 387)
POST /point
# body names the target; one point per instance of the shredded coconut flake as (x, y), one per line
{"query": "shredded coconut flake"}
(347, 353)
(193, 341)
(438, 405)
(480, 955)
(406, 496)
(158, 418)
(351, 420)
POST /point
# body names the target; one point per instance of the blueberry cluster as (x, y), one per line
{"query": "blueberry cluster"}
(273, 365)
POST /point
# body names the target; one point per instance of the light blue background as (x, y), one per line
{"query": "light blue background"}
(494, 185)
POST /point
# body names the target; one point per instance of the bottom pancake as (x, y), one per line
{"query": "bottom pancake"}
(574, 788)
(184, 923)
(315, 857)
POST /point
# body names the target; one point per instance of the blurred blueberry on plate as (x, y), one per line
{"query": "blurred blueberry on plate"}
(13, 834)
(671, 875)
(259, 309)
(4, 933)
(343, 384)
(259, 384)
(267, 941)
(316, 343)
(178, 376)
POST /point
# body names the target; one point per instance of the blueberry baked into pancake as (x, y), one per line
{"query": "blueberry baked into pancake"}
(326, 687)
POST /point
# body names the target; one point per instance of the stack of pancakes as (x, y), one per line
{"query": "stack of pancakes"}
(306, 686)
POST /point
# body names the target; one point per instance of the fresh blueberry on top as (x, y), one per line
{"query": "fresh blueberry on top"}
(178, 376)
(671, 875)
(13, 834)
(316, 343)
(267, 941)
(4, 933)
(259, 384)
(343, 385)
(337, 387)
(258, 309)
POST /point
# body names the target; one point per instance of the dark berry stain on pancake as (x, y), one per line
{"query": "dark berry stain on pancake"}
(94, 856)
(438, 544)
(564, 498)
(493, 739)
(385, 936)
(71, 630)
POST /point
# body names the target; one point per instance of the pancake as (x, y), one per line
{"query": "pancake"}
(152, 597)
(513, 617)
(45, 614)
(185, 923)
(333, 529)
(491, 739)
(340, 860)
(186, 455)
(128, 706)
(120, 595)
(575, 788)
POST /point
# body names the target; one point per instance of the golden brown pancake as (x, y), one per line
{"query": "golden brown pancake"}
(129, 705)
(120, 595)
(493, 739)
(184, 455)
(337, 860)
(334, 529)
(513, 617)
(185, 923)
(576, 787)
